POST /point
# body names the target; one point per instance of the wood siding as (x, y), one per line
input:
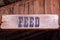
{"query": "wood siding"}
(31, 7)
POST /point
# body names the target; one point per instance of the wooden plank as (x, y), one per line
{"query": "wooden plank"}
(51, 7)
(26, 8)
(31, 7)
(39, 7)
(54, 7)
(47, 6)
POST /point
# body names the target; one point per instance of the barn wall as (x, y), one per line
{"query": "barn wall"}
(33, 6)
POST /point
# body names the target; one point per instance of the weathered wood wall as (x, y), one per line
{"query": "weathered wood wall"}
(32, 7)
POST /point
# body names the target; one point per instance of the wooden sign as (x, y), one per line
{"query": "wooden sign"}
(32, 21)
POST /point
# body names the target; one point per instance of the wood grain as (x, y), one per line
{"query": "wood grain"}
(31, 7)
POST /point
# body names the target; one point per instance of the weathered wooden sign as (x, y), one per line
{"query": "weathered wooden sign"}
(32, 21)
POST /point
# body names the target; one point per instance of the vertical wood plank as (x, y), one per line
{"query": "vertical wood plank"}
(47, 6)
(51, 7)
(26, 8)
(39, 7)
(21, 9)
(31, 7)
(16, 8)
(54, 7)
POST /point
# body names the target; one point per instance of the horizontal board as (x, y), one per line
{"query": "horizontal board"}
(41, 21)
